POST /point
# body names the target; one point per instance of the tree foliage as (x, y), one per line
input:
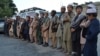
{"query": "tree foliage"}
(7, 8)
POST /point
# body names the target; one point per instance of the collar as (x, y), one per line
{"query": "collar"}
(80, 14)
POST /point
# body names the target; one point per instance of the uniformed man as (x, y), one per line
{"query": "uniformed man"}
(18, 28)
(22, 29)
(31, 30)
(45, 29)
(53, 28)
(5, 26)
(25, 29)
(15, 25)
(39, 31)
(34, 28)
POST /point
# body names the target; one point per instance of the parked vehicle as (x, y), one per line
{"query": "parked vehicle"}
(2, 25)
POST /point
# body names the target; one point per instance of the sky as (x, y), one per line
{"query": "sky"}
(47, 4)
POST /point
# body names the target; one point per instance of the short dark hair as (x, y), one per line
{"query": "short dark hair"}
(79, 6)
(53, 11)
(70, 6)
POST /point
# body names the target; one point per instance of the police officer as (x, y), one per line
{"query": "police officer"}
(53, 28)
(15, 25)
(45, 29)
(34, 28)
(31, 30)
(39, 27)
(25, 29)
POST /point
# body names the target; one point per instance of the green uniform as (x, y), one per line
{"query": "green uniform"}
(39, 33)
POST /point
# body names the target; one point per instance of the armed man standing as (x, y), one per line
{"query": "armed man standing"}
(39, 28)
(53, 28)
(45, 29)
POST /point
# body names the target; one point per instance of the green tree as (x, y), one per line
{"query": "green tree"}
(7, 8)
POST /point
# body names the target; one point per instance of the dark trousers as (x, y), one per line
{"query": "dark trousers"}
(26, 37)
(76, 46)
(39, 37)
(7, 32)
(15, 32)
